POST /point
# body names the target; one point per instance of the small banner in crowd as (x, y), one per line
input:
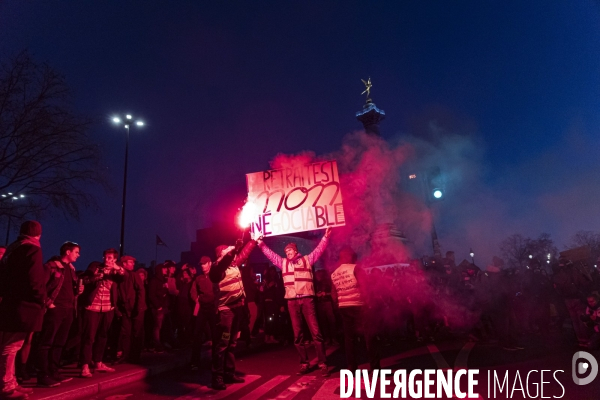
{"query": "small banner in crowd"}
(296, 199)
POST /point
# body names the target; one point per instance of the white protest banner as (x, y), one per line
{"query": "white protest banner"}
(296, 199)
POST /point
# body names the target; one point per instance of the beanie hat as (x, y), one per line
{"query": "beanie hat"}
(205, 260)
(291, 246)
(31, 228)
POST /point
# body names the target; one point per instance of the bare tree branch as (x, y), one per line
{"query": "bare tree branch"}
(45, 151)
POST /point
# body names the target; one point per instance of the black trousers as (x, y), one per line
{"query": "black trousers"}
(228, 327)
(356, 322)
(54, 335)
(131, 336)
(205, 321)
(95, 335)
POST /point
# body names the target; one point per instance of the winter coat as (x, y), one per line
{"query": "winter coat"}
(56, 270)
(92, 283)
(203, 291)
(131, 294)
(22, 287)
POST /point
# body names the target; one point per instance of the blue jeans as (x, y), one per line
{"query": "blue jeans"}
(305, 306)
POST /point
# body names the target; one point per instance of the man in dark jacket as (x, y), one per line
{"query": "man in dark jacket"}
(131, 306)
(99, 300)
(62, 291)
(23, 292)
(202, 293)
(225, 274)
(158, 301)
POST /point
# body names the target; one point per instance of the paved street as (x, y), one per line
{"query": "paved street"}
(270, 372)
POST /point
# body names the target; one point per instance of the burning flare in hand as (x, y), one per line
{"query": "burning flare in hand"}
(248, 214)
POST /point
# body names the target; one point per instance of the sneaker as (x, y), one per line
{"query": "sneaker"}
(13, 395)
(61, 378)
(324, 370)
(101, 367)
(303, 369)
(233, 379)
(46, 381)
(218, 384)
(85, 371)
(23, 390)
(517, 347)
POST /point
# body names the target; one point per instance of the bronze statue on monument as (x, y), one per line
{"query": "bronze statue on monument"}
(368, 86)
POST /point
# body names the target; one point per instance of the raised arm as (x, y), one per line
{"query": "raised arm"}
(243, 255)
(217, 268)
(270, 254)
(318, 251)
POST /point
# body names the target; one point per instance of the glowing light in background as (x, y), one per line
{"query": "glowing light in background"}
(437, 193)
(248, 214)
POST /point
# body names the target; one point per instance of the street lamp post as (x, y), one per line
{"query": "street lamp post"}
(472, 256)
(12, 197)
(127, 122)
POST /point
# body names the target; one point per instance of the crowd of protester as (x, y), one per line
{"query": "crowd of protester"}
(51, 314)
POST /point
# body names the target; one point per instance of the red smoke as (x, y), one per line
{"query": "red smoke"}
(371, 171)
(376, 208)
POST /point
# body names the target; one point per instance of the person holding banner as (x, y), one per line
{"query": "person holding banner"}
(297, 272)
(225, 274)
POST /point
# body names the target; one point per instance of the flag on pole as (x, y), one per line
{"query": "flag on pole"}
(159, 242)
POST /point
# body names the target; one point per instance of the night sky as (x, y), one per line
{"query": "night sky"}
(225, 86)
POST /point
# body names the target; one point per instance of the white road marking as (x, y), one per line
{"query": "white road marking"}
(327, 390)
(463, 356)
(439, 359)
(265, 387)
(393, 360)
(298, 386)
(459, 363)
(328, 351)
(204, 392)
